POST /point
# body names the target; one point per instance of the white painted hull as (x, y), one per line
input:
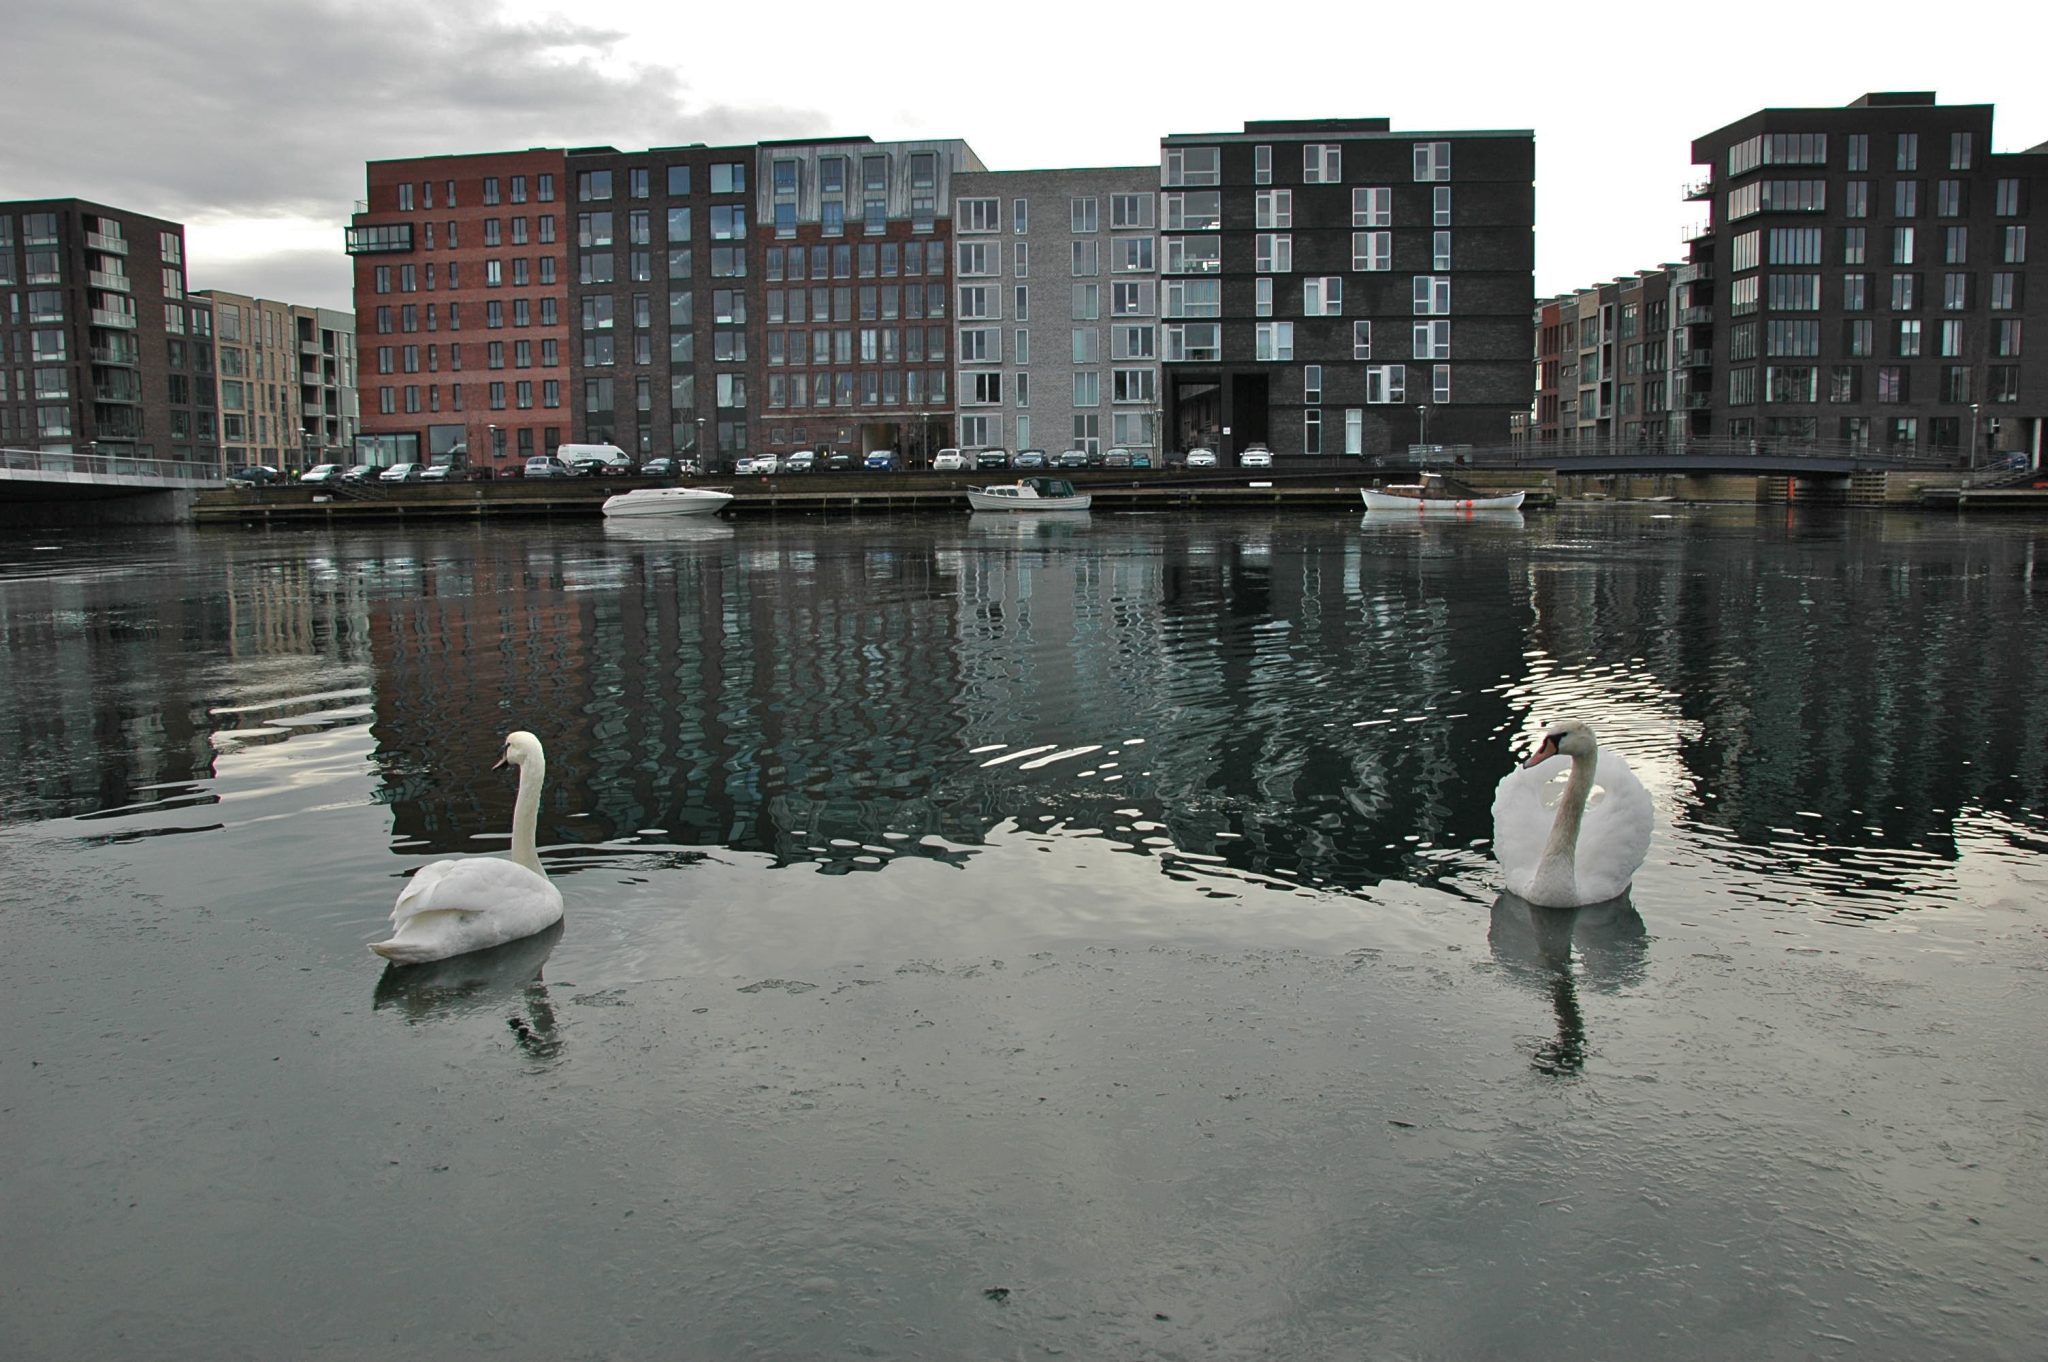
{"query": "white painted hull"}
(1393, 501)
(667, 501)
(999, 501)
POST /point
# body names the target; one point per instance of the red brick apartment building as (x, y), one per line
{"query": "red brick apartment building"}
(461, 293)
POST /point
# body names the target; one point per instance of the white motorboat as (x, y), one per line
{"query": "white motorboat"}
(1029, 494)
(667, 501)
(1436, 495)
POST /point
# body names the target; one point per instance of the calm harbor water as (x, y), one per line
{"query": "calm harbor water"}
(1010, 939)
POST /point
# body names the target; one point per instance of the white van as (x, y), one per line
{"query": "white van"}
(588, 460)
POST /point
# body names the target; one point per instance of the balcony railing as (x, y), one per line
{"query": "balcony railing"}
(1697, 358)
(111, 245)
(1698, 231)
(1694, 272)
(106, 316)
(1702, 188)
(1696, 316)
(113, 283)
(110, 354)
(1698, 401)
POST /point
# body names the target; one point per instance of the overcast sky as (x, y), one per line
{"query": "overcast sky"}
(250, 120)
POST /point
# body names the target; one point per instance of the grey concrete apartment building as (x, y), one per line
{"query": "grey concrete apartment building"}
(1057, 315)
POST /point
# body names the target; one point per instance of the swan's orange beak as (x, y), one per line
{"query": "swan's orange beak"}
(1545, 750)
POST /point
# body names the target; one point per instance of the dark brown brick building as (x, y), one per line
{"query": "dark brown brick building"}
(104, 353)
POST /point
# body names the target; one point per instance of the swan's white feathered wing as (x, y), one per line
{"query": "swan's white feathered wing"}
(1614, 838)
(471, 904)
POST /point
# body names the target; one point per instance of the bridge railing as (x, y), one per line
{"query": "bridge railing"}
(106, 464)
(1721, 453)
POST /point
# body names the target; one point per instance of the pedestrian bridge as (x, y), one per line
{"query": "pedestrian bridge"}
(46, 475)
(1763, 458)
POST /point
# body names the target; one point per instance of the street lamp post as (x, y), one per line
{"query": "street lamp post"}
(1422, 424)
(1973, 435)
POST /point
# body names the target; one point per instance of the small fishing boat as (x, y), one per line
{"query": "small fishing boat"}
(1437, 494)
(667, 501)
(1029, 494)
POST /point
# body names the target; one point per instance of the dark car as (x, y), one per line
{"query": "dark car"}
(659, 468)
(362, 472)
(839, 461)
(255, 475)
(992, 458)
(1074, 458)
(880, 461)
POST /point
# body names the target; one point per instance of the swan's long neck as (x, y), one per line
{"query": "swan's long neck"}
(1557, 872)
(526, 813)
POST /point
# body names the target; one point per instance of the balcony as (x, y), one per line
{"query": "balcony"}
(113, 354)
(1702, 188)
(116, 392)
(1698, 357)
(389, 238)
(1696, 316)
(1698, 401)
(1698, 272)
(106, 316)
(110, 245)
(113, 283)
(1699, 231)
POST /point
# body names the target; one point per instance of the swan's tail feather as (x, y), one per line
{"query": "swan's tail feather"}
(416, 940)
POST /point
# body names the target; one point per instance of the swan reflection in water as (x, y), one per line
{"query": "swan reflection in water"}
(1557, 951)
(503, 977)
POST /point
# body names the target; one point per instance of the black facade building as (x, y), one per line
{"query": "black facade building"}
(1333, 287)
(1861, 282)
(659, 270)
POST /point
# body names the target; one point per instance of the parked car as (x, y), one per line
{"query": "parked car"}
(949, 461)
(1140, 459)
(362, 472)
(839, 461)
(880, 461)
(746, 465)
(992, 458)
(440, 472)
(547, 466)
(1255, 456)
(401, 472)
(322, 472)
(587, 461)
(1031, 458)
(1074, 458)
(802, 461)
(255, 475)
(1201, 458)
(660, 468)
(1117, 458)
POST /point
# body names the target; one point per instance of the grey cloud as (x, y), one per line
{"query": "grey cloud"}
(227, 107)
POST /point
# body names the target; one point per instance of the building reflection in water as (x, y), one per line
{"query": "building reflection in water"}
(1317, 702)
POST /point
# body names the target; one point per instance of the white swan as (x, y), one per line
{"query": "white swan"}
(1563, 843)
(454, 907)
